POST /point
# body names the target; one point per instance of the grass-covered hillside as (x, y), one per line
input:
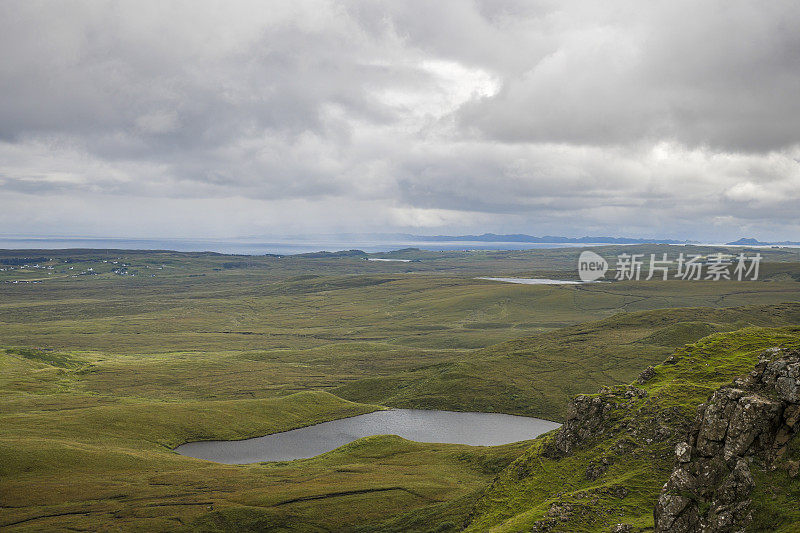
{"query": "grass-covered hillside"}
(538, 375)
(72, 458)
(618, 461)
(103, 373)
(73, 453)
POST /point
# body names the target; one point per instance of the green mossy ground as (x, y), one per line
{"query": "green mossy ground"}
(101, 375)
(537, 375)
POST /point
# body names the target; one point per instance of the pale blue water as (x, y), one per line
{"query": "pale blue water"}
(536, 281)
(475, 429)
(254, 247)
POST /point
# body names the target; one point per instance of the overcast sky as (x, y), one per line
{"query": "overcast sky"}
(225, 119)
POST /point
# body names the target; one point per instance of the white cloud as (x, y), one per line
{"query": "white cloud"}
(671, 119)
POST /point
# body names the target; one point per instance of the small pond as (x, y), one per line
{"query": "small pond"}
(537, 281)
(476, 429)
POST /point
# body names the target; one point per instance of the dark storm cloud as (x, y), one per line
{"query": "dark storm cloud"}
(400, 115)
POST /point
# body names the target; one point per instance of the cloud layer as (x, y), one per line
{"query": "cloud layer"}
(670, 119)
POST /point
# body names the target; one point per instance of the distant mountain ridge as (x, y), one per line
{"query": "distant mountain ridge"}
(550, 239)
(756, 242)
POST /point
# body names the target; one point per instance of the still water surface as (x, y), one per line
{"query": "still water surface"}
(536, 281)
(476, 429)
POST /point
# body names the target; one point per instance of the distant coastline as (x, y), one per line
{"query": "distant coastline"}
(369, 243)
(547, 239)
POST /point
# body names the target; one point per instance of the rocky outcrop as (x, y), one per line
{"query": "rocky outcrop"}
(743, 426)
(646, 375)
(591, 416)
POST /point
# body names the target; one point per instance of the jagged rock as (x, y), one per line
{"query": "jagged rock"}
(753, 418)
(590, 416)
(791, 415)
(683, 452)
(671, 513)
(632, 393)
(646, 375)
(585, 417)
(788, 386)
(681, 481)
(736, 486)
(714, 421)
(749, 422)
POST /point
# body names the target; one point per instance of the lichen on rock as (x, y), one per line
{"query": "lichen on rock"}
(743, 426)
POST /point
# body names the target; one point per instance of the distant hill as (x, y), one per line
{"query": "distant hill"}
(518, 237)
(756, 242)
(341, 253)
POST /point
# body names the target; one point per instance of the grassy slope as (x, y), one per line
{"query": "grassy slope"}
(55, 424)
(72, 458)
(537, 375)
(538, 487)
(145, 363)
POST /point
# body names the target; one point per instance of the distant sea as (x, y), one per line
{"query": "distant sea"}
(287, 247)
(253, 247)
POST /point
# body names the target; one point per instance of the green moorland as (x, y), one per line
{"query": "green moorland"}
(103, 372)
(537, 375)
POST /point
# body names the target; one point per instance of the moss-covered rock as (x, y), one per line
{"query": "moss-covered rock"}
(744, 427)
